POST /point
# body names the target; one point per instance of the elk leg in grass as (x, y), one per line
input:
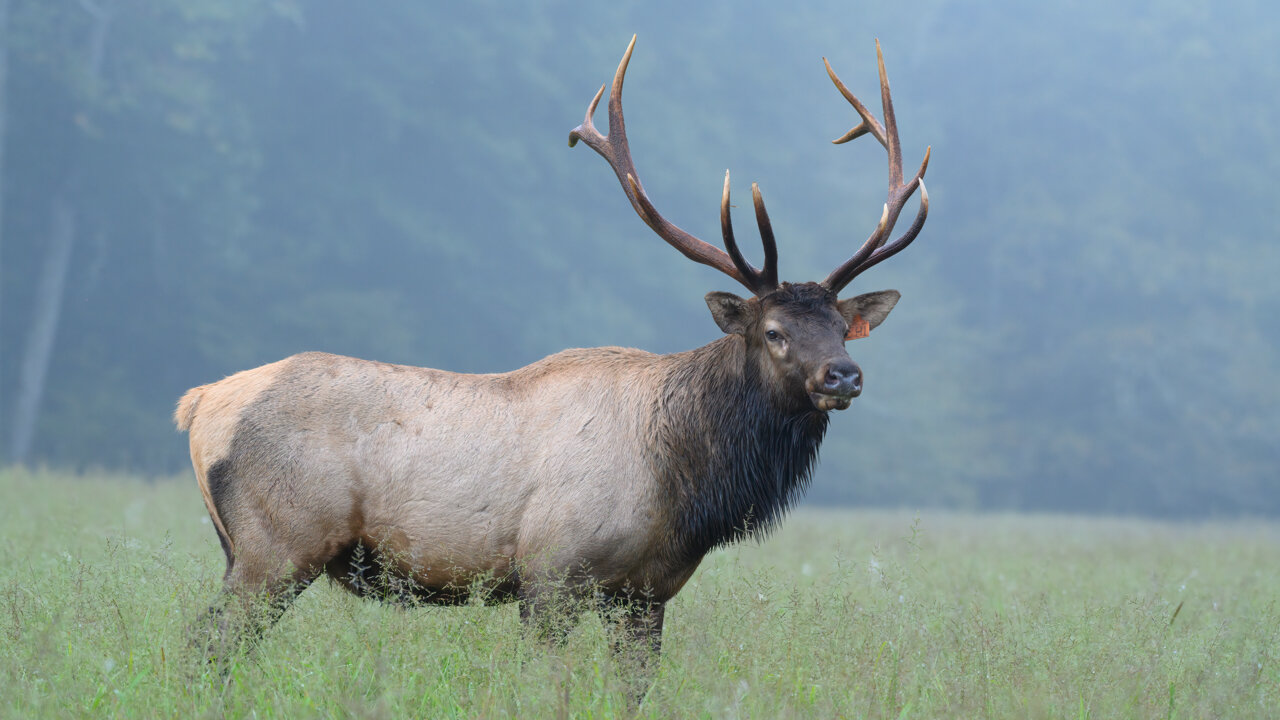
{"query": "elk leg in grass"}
(550, 610)
(248, 604)
(634, 625)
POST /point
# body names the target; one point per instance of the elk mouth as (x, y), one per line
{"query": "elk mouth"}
(827, 402)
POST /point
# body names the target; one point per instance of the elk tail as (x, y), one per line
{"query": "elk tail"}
(186, 411)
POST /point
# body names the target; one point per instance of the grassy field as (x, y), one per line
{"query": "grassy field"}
(840, 614)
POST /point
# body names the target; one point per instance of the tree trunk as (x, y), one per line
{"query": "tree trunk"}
(47, 309)
(4, 107)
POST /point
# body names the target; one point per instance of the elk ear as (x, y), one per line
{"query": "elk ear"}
(873, 307)
(731, 313)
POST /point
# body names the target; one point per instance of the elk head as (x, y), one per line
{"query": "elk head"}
(795, 332)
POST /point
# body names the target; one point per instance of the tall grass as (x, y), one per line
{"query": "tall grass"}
(840, 614)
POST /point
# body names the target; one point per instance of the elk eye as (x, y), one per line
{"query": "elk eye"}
(773, 335)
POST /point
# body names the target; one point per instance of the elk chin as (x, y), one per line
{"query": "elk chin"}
(827, 403)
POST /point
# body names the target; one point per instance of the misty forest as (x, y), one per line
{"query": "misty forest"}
(1090, 320)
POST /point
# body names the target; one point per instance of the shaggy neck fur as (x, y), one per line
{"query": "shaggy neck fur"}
(731, 453)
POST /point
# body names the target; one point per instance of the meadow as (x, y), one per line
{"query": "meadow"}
(841, 613)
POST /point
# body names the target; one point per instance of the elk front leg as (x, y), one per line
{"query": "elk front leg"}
(550, 610)
(635, 627)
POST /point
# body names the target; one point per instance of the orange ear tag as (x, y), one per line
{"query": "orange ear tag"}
(858, 329)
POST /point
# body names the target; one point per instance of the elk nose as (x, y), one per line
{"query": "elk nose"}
(843, 378)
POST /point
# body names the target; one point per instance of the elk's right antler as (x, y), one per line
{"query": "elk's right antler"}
(615, 150)
(874, 250)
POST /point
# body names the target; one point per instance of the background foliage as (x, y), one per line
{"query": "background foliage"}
(1088, 323)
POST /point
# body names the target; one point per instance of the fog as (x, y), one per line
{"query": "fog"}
(1089, 318)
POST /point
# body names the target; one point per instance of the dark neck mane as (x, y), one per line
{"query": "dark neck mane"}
(731, 456)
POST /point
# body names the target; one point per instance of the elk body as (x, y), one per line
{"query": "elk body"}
(604, 472)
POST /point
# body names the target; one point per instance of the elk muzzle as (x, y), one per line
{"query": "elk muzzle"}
(836, 385)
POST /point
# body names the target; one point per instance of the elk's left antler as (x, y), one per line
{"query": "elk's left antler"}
(874, 250)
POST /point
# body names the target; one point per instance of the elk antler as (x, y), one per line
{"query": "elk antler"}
(615, 150)
(874, 250)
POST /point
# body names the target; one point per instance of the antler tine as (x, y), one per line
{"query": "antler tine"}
(869, 122)
(762, 281)
(726, 230)
(615, 150)
(874, 250)
(890, 125)
(770, 273)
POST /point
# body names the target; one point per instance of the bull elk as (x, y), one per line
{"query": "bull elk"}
(603, 473)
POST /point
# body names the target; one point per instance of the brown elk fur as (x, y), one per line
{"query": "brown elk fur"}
(608, 466)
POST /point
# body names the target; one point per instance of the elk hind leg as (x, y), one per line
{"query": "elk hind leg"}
(255, 592)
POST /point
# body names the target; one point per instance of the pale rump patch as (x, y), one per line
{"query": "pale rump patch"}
(209, 413)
